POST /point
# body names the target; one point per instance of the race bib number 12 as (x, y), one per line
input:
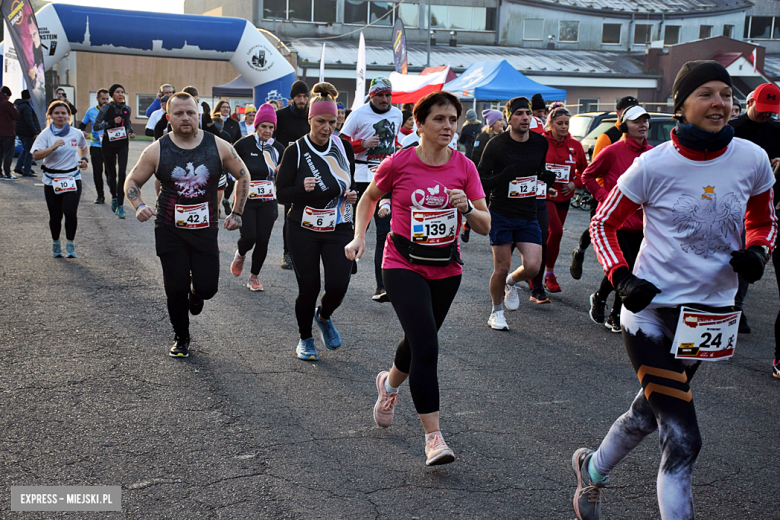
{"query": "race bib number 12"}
(522, 188)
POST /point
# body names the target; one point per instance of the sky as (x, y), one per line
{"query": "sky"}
(160, 6)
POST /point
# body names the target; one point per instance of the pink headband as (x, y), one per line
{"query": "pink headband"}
(319, 108)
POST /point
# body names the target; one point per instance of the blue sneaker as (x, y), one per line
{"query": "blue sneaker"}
(70, 250)
(56, 249)
(120, 212)
(305, 350)
(114, 204)
(328, 333)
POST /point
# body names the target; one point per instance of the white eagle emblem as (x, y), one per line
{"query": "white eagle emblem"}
(191, 183)
(707, 221)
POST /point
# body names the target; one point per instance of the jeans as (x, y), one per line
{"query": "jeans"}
(24, 163)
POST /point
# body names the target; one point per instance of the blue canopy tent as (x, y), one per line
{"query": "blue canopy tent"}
(499, 81)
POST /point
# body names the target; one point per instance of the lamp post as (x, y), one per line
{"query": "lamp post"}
(428, 61)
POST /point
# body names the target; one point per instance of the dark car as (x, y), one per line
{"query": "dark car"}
(660, 130)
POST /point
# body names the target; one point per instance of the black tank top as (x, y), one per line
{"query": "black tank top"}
(188, 177)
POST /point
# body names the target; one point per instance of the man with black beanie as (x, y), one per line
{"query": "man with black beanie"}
(538, 106)
(292, 123)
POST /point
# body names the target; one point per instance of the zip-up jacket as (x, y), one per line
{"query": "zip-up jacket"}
(566, 153)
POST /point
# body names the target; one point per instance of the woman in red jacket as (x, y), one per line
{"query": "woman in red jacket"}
(566, 159)
(600, 177)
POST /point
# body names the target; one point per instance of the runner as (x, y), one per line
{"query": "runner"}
(510, 167)
(187, 162)
(695, 190)
(373, 129)
(432, 186)
(315, 178)
(114, 119)
(600, 177)
(95, 150)
(262, 155)
(63, 150)
(566, 159)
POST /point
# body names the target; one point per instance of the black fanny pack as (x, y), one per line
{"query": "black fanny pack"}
(426, 255)
(51, 170)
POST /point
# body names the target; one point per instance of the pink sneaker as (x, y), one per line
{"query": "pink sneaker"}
(253, 284)
(437, 450)
(385, 404)
(238, 264)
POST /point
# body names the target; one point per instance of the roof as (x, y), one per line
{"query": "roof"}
(684, 7)
(727, 58)
(772, 66)
(550, 62)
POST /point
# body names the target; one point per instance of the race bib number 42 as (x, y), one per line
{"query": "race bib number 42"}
(320, 220)
(561, 172)
(704, 335)
(63, 185)
(434, 226)
(522, 188)
(116, 134)
(194, 216)
(262, 190)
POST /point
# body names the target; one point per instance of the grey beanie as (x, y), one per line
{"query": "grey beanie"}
(471, 115)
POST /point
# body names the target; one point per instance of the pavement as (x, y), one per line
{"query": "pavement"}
(244, 430)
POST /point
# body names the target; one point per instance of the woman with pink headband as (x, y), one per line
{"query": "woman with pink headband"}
(316, 178)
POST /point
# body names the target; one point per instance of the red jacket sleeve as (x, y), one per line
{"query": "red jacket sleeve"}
(582, 164)
(603, 229)
(357, 146)
(761, 221)
(596, 170)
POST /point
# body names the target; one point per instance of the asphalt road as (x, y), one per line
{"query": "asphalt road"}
(243, 430)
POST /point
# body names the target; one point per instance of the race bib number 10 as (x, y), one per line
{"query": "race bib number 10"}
(320, 220)
(706, 336)
(434, 226)
(194, 216)
(63, 185)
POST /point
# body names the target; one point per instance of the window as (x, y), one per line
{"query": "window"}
(776, 34)
(705, 31)
(728, 31)
(355, 11)
(758, 27)
(490, 23)
(460, 18)
(642, 34)
(588, 105)
(672, 35)
(275, 9)
(568, 31)
(439, 16)
(325, 11)
(142, 102)
(300, 10)
(610, 33)
(376, 10)
(409, 15)
(533, 29)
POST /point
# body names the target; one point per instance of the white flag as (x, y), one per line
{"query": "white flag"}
(13, 77)
(755, 61)
(322, 63)
(360, 86)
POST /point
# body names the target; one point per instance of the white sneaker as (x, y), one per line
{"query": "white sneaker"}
(497, 321)
(511, 299)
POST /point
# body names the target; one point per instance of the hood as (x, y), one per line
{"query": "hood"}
(554, 142)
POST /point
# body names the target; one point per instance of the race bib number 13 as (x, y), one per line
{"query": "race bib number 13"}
(704, 335)
(262, 190)
(194, 216)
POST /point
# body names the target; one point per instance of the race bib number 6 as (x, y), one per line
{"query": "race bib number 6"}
(194, 216)
(704, 335)
(320, 220)
(434, 226)
(522, 188)
(63, 185)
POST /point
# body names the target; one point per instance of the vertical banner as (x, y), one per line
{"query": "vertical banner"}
(22, 27)
(399, 47)
(360, 85)
(322, 63)
(12, 72)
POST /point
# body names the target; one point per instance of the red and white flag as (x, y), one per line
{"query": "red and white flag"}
(754, 59)
(408, 88)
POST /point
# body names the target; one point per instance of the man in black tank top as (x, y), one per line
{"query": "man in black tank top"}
(187, 163)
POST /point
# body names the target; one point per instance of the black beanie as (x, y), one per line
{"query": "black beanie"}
(299, 87)
(537, 102)
(113, 88)
(694, 74)
(626, 102)
(406, 115)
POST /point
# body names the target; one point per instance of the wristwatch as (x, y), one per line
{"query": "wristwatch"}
(470, 210)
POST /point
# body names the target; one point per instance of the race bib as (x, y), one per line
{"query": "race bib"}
(373, 168)
(541, 189)
(63, 185)
(522, 187)
(705, 335)
(434, 226)
(195, 216)
(561, 172)
(262, 190)
(116, 134)
(320, 220)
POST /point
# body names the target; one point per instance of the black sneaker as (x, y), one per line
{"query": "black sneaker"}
(465, 234)
(100, 200)
(286, 262)
(380, 295)
(613, 323)
(226, 205)
(576, 264)
(597, 309)
(196, 303)
(180, 348)
(744, 328)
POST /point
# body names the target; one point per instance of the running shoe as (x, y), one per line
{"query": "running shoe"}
(226, 205)
(10, 177)
(196, 303)
(29, 174)
(511, 299)
(597, 309)
(437, 451)
(385, 403)
(70, 250)
(465, 235)
(56, 249)
(497, 321)
(306, 351)
(744, 328)
(552, 283)
(776, 368)
(253, 284)
(613, 323)
(328, 333)
(576, 264)
(587, 498)
(380, 295)
(120, 212)
(114, 205)
(539, 296)
(238, 264)
(180, 348)
(286, 262)
(100, 200)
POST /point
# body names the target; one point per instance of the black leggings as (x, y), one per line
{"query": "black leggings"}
(258, 222)
(544, 224)
(116, 185)
(306, 249)
(66, 205)
(421, 306)
(188, 256)
(585, 236)
(629, 243)
(382, 229)
(96, 156)
(776, 263)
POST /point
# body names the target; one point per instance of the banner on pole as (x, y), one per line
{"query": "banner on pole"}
(399, 47)
(360, 85)
(322, 63)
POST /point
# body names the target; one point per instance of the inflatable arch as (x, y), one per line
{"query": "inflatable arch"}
(65, 28)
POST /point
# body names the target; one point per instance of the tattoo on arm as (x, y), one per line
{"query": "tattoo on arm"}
(132, 193)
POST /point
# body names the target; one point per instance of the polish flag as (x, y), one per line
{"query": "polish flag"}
(409, 88)
(754, 59)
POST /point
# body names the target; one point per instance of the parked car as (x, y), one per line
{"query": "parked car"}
(661, 125)
(581, 125)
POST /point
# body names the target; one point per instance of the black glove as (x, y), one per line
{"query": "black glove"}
(548, 178)
(206, 114)
(749, 263)
(635, 292)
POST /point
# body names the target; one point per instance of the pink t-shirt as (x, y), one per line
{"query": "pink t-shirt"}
(415, 185)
